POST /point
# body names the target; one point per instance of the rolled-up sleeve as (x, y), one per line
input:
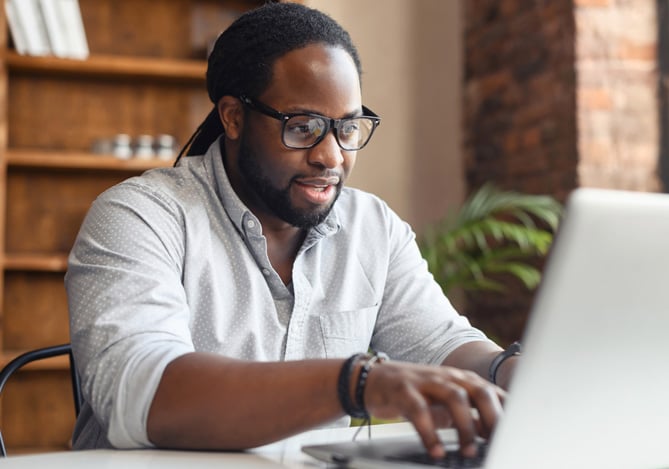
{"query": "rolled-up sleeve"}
(128, 312)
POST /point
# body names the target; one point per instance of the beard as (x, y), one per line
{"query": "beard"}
(276, 199)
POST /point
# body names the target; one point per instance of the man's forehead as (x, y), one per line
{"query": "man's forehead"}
(315, 57)
(315, 71)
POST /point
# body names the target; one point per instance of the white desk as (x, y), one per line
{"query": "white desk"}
(285, 453)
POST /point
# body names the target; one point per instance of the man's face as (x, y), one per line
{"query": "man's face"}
(298, 187)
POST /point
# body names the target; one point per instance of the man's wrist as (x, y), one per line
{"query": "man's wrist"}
(352, 381)
(505, 372)
(346, 386)
(376, 357)
(495, 372)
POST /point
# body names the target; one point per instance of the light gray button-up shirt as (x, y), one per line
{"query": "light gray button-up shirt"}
(173, 262)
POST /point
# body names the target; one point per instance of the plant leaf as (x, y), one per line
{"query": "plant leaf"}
(495, 232)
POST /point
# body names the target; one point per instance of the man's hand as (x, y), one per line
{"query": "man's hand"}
(433, 397)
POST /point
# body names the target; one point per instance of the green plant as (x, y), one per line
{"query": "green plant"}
(495, 232)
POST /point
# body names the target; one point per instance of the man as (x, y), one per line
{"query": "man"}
(229, 302)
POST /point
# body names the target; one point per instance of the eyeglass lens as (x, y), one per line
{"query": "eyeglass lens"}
(304, 131)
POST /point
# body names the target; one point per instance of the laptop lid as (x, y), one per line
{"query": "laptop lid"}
(592, 386)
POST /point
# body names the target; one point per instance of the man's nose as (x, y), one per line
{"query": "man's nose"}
(327, 153)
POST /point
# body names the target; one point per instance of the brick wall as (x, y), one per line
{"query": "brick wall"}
(520, 97)
(557, 94)
(616, 42)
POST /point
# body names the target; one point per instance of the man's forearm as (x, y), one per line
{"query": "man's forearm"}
(478, 356)
(207, 401)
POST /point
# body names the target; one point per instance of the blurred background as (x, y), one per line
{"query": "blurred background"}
(537, 97)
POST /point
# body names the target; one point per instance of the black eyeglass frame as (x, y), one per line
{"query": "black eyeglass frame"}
(335, 124)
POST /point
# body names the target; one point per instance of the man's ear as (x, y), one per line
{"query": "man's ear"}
(231, 113)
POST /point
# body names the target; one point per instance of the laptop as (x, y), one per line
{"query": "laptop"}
(592, 386)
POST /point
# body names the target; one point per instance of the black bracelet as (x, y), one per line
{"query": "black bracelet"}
(513, 350)
(377, 356)
(344, 388)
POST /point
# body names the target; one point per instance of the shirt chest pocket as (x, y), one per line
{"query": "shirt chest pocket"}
(348, 332)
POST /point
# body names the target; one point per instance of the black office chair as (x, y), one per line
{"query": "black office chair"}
(40, 354)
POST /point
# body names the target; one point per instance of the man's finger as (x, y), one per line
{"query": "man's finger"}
(456, 399)
(486, 400)
(417, 411)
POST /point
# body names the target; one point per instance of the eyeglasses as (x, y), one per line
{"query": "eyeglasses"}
(301, 131)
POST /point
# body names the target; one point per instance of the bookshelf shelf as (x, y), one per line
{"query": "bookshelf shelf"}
(36, 262)
(110, 66)
(29, 158)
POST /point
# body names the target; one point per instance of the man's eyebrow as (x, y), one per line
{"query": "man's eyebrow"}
(357, 113)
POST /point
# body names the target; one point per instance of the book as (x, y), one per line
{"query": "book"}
(18, 35)
(75, 34)
(65, 28)
(55, 27)
(29, 18)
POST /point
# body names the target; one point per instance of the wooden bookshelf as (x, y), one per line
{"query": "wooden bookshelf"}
(145, 75)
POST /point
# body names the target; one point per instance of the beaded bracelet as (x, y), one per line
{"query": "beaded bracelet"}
(377, 356)
(344, 388)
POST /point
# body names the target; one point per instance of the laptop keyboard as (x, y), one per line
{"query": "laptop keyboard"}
(453, 459)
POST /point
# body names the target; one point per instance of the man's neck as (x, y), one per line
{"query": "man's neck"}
(282, 248)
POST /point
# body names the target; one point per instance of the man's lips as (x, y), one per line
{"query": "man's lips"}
(319, 181)
(318, 190)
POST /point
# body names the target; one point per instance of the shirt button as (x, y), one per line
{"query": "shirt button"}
(250, 223)
(265, 272)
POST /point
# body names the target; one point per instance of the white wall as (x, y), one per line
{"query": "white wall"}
(411, 57)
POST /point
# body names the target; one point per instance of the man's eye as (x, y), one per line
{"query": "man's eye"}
(306, 127)
(299, 129)
(350, 128)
